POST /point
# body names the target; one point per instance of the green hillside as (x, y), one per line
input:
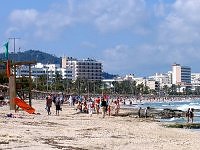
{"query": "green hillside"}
(33, 55)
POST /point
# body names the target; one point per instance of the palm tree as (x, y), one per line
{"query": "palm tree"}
(42, 82)
(173, 89)
(197, 90)
(133, 87)
(140, 88)
(146, 90)
(166, 89)
(67, 85)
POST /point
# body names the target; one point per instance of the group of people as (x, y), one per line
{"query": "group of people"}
(57, 100)
(190, 114)
(103, 105)
(145, 112)
(97, 105)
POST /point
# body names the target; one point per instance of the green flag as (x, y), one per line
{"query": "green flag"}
(6, 50)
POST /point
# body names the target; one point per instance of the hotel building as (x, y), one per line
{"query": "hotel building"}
(86, 69)
(44, 69)
(181, 75)
(163, 79)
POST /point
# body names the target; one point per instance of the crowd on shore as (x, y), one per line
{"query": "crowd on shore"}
(106, 105)
(83, 104)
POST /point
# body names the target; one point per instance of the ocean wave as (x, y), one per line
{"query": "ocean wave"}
(173, 120)
(186, 106)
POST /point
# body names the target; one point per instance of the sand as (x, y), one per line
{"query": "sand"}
(72, 131)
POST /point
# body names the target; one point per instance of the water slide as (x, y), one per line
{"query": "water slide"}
(23, 105)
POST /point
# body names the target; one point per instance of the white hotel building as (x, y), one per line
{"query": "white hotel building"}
(195, 79)
(44, 69)
(163, 79)
(181, 75)
(86, 69)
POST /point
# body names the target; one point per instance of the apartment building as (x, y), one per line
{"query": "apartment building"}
(44, 69)
(195, 79)
(163, 78)
(181, 75)
(86, 69)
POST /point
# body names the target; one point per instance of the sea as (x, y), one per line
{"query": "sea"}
(175, 105)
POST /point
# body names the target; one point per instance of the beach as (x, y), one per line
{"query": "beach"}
(79, 131)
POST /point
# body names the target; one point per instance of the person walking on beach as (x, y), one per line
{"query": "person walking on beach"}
(90, 107)
(117, 107)
(97, 105)
(188, 115)
(70, 101)
(145, 112)
(103, 107)
(58, 103)
(109, 107)
(48, 104)
(191, 114)
(139, 112)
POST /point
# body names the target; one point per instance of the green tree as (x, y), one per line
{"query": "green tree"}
(173, 90)
(166, 89)
(197, 90)
(140, 88)
(42, 83)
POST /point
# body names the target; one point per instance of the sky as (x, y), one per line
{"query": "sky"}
(140, 37)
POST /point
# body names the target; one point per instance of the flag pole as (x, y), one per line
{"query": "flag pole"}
(12, 81)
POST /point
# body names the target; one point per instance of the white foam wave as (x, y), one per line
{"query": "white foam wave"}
(186, 106)
(173, 120)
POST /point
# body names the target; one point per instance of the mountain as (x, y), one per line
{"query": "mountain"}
(33, 55)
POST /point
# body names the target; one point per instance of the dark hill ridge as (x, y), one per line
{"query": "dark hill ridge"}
(33, 55)
(42, 57)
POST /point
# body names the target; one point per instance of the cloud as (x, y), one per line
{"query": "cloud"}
(160, 9)
(181, 25)
(112, 15)
(178, 32)
(46, 25)
(11, 30)
(133, 59)
(147, 58)
(116, 53)
(166, 32)
(24, 17)
(115, 58)
(105, 15)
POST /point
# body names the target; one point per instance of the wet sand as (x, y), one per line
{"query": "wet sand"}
(72, 131)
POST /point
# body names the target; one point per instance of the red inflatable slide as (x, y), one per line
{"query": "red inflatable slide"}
(23, 105)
